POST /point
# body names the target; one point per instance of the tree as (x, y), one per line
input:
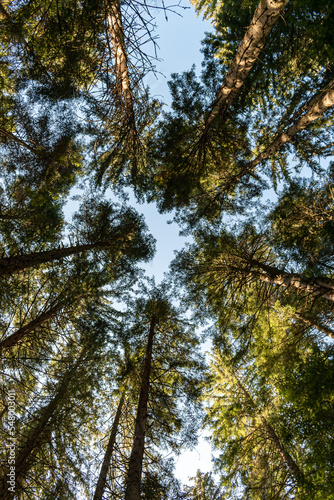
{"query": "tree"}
(165, 329)
(109, 451)
(265, 17)
(243, 428)
(113, 228)
(222, 166)
(40, 422)
(204, 488)
(106, 370)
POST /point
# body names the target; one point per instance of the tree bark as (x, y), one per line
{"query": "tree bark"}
(16, 139)
(316, 107)
(107, 457)
(315, 324)
(137, 453)
(27, 329)
(314, 286)
(10, 265)
(319, 287)
(288, 460)
(116, 32)
(265, 17)
(24, 459)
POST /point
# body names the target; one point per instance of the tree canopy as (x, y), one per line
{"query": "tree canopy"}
(103, 376)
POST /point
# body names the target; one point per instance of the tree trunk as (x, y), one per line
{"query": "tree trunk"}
(315, 324)
(137, 453)
(319, 287)
(314, 286)
(13, 137)
(116, 32)
(24, 331)
(107, 457)
(24, 459)
(316, 107)
(10, 265)
(265, 17)
(288, 460)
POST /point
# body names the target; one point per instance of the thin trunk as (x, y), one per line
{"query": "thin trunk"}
(16, 139)
(315, 324)
(116, 32)
(10, 265)
(27, 329)
(314, 109)
(288, 460)
(265, 17)
(110, 448)
(137, 453)
(24, 459)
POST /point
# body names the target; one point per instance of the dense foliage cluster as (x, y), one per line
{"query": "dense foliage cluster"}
(102, 375)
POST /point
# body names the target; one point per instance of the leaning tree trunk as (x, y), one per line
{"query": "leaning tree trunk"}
(16, 263)
(315, 324)
(288, 460)
(265, 17)
(314, 109)
(109, 451)
(24, 459)
(25, 331)
(137, 453)
(16, 139)
(318, 287)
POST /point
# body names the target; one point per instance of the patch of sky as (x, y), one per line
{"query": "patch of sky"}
(180, 33)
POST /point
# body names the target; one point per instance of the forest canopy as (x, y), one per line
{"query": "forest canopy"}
(103, 373)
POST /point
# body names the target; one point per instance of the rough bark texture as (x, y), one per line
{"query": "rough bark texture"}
(107, 457)
(137, 453)
(265, 17)
(314, 109)
(319, 287)
(10, 265)
(315, 324)
(27, 329)
(116, 32)
(288, 460)
(24, 459)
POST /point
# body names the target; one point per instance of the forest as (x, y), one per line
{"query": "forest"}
(104, 380)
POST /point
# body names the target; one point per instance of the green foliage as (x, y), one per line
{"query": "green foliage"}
(75, 319)
(302, 222)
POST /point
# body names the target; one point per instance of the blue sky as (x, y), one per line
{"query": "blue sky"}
(180, 43)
